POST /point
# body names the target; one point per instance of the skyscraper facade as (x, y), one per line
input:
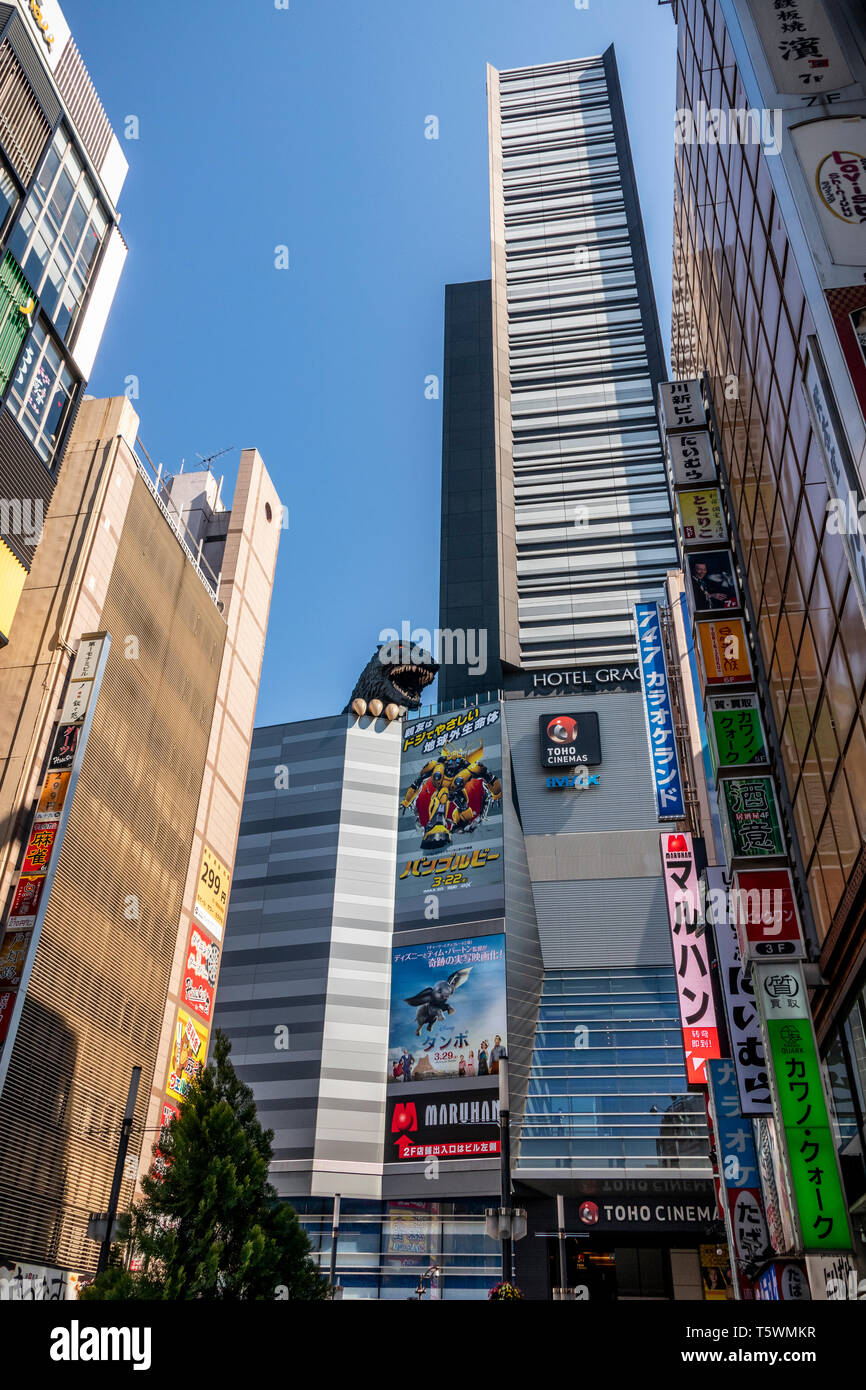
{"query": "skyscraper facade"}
(556, 513)
(128, 698)
(769, 308)
(524, 913)
(61, 255)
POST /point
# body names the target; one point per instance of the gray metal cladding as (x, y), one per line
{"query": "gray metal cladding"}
(599, 923)
(623, 799)
(22, 46)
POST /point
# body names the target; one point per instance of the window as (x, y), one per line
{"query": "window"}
(41, 392)
(59, 233)
(8, 197)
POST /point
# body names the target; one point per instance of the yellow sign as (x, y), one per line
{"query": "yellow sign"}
(188, 1052)
(724, 651)
(212, 893)
(53, 795)
(701, 516)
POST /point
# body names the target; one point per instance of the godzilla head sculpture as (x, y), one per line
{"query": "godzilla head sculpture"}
(393, 680)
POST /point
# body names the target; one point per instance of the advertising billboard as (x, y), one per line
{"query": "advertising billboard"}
(189, 1049)
(658, 712)
(724, 652)
(701, 517)
(736, 733)
(691, 458)
(448, 1010)
(212, 894)
(691, 960)
(767, 920)
(821, 1213)
(200, 972)
(744, 1026)
(448, 1124)
(751, 824)
(449, 841)
(738, 1165)
(711, 579)
(569, 740)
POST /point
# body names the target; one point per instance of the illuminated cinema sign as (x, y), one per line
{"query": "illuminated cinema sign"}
(569, 740)
(691, 959)
(667, 780)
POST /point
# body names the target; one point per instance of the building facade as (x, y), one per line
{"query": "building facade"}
(769, 308)
(128, 702)
(555, 510)
(406, 945)
(61, 255)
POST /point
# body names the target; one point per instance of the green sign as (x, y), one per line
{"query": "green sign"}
(796, 1081)
(736, 732)
(752, 818)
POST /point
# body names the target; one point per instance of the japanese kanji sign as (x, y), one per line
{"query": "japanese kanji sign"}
(212, 893)
(724, 651)
(736, 732)
(667, 780)
(738, 1165)
(681, 405)
(701, 516)
(751, 821)
(744, 1027)
(767, 921)
(691, 958)
(780, 991)
(801, 48)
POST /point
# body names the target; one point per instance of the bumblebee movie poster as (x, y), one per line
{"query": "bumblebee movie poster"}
(448, 1016)
(449, 843)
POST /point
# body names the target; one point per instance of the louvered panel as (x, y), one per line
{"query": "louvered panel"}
(97, 994)
(15, 295)
(79, 93)
(24, 127)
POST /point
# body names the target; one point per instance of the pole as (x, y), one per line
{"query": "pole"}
(505, 1165)
(335, 1232)
(560, 1227)
(123, 1145)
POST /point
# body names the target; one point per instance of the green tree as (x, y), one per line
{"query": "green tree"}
(213, 1227)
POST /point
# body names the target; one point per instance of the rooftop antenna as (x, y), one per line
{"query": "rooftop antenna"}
(206, 462)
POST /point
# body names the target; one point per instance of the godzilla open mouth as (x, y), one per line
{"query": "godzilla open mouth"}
(410, 681)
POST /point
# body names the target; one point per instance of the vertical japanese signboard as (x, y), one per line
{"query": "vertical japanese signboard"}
(801, 1108)
(744, 1027)
(738, 1164)
(667, 779)
(691, 959)
(39, 864)
(736, 733)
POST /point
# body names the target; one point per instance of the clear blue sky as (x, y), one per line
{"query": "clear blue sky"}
(305, 127)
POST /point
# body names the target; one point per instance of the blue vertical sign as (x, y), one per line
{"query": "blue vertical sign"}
(667, 780)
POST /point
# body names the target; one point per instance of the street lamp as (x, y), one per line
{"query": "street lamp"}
(431, 1274)
(505, 1223)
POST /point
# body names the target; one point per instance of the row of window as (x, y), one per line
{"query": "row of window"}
(55, 244)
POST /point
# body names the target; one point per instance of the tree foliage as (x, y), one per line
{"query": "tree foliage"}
(212, 1226)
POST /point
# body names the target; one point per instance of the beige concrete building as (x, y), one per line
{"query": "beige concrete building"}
(120, 964)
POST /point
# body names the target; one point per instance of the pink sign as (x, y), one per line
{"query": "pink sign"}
(689, 939)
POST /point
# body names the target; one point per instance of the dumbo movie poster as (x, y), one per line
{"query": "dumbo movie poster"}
(448, 1016)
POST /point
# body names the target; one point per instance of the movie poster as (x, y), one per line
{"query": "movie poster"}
(449, 843)
(448, 1015)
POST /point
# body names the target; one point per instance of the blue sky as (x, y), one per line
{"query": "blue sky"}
(305, 127)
